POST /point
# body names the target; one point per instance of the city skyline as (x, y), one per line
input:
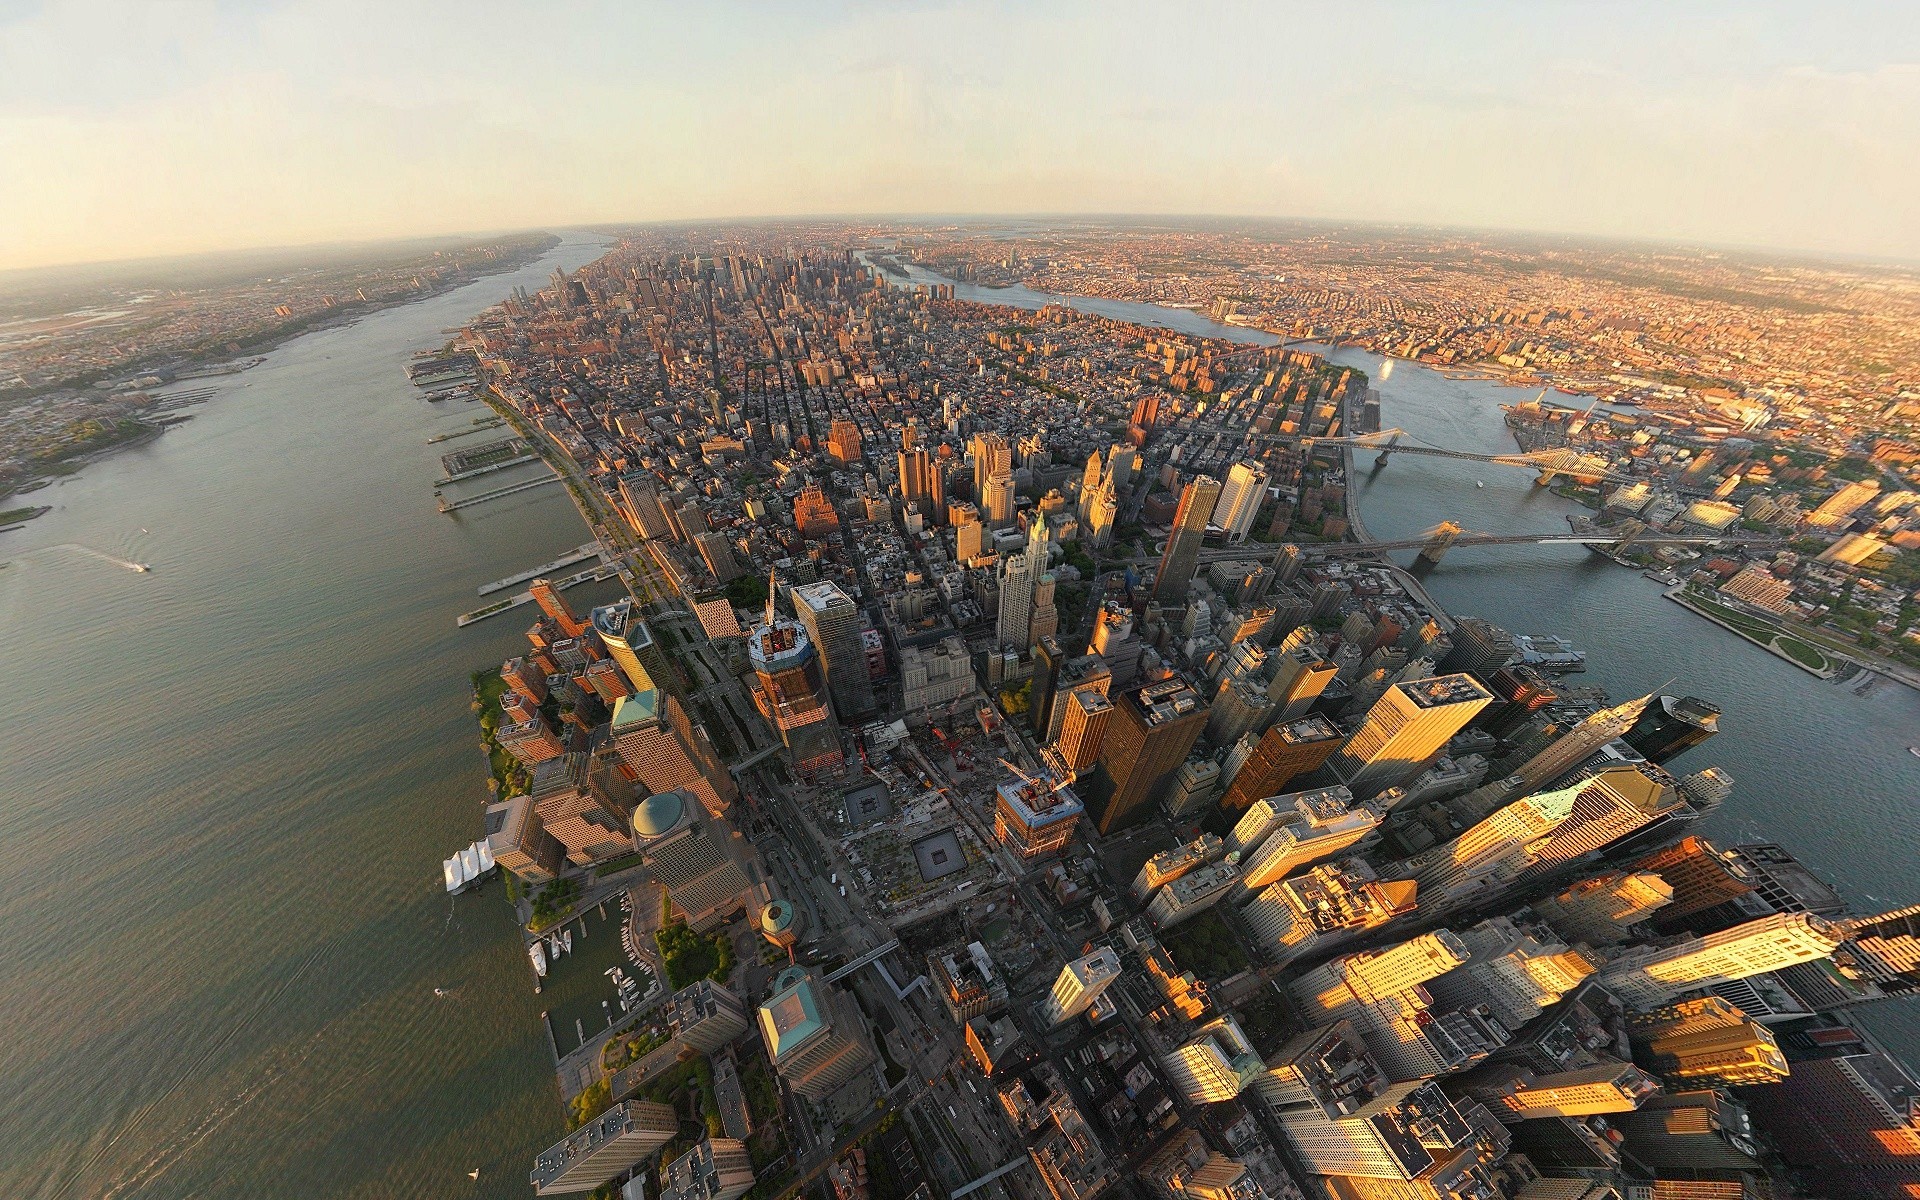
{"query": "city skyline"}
(291, 126)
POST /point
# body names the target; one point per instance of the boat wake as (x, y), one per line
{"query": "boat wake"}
(90, 552)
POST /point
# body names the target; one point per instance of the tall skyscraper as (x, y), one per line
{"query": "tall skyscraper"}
(1671, 726)
(1281, 834)
(1022, 576)
(612, 1142)
(1034, 819)
(1405, 731)
(1084, 728)
(1649, 976)
(993, 478)
(1706, 1040)
(1147, 739)
(1079, 985)
(1600, 909)
(578, 808)
(1845, 1119)
(1299, 676)
(693, 857)
(1339, 989)
(1323, 907)
(1216, 1064)
(916, 479)
(666, 751)
(793, 694)
(1577, 744)
(1517, 1094)
(1241, 496)
(843, 440)
(1516, 971)
(716, 1169)
(813, 1035)
(705, 1016)
(1182, 554)
(833, 622)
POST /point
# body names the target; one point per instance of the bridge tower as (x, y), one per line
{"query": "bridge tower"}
(1630, 531)
(1386, 450)
(1440, 541)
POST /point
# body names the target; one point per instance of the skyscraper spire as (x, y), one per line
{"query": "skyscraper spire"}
(772, 579)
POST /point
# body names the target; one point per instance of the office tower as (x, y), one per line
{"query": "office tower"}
(1327, 1068)
(524, 679)
(916, 479)
(578, 809)
(605, 679)
(1493, 844)
(1701, 876)
(792, 693)
(716, 551)
(1518, 693)
(1570, 749)
(1090, 480)
(519, 843)
(630, 643)
(1283, 754)
(705, 1016)
(994, 1042)
(1707, 1041)
(1113, 641)
(1034, 819)
(615, 1141)
(1847, 1120)
(993, 479)
(1704, 791)
(1240, 499)
(1100, 512)
(1411, 1142)
(1049, 660)
(1168, 865)
(843, 440)
(716, 1169)
(1512, 971)
(1324, 907)
(1183, 544)
(1079, 985)
(813, 1035)
(997, 502)
(1023, 576)
(1223, 1178)
(666, 751)
(1193, 893)
(691, 855)
(1084, 727)
(1649, 976)
(1337, 990)
(1241, 707)
(640, 504)
(1152, 729)
(1479, 647)
(813, 513)
(1406, 731)
(1514, 1093)
(1281, 834)
(555, 605)
(530, 742)
(1882, 956)
(1086, 672)
(1671, 726)
(1600, 910)
(967, 983)
(1844, 503)
(833, 622)
(1688, 1132)
(1217, 1064)
(969, 535)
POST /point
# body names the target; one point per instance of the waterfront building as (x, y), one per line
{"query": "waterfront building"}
(580, 809)
(716, 1169)
(1197, 502)
(1284, 753)
(1479, 647)
(705, 1016)
(1152, 729)
(530, 742)
(1405, 731)
(792, 693)
(1216, 1064)
(1847, 1120)
(1514, 1093)
(813, 1035)
(666, 751)
(525, 679)
(555, 605)
(1035, 819)
(1707, 1041)
(1080, 984)
(1671, 726)
(692, 856)
(1574, 747)
(1701, 876)
(833, 622)
(615, 1141)
(1281, 834)
(520, 844)
(1649, 976)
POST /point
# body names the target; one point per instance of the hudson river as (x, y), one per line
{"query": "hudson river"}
(1816, 768)
(229, 785)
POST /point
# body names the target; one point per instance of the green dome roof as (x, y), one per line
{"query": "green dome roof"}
(658, 814)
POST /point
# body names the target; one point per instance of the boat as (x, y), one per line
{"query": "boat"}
(454, 874)
(143, 568)
(538, 953)
(566, 940)
(1914, 750)
(1479, 483)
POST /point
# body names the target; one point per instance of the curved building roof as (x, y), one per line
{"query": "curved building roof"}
(659, 814)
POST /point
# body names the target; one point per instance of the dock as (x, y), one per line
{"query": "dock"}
(594, 574)
(582, 554)
(489, 469)
(447, 506)
(437, 438)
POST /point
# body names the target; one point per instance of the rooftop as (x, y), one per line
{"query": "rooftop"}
(641, 708)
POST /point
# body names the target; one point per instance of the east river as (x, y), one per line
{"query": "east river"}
(228, 784)
(1816, 768)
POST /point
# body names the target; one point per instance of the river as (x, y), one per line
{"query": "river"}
(229, 785)
(1816, 768)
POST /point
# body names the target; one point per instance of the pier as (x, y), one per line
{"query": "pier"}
(489, 469)
(518, 598)
(447, 506)
(589, 550)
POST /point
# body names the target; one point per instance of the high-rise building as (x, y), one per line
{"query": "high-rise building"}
(1281, 834)
(813, 1035)
(1412, 1142)
(1035, 819)
(793, 694)
(519, 843)
(1702, 878)
(1023, 575)
(1516, 972)
(1084, 727)
(1193, 893)
(1088, 671)
(692, 856)
(1283, 754)
(1152, 729)
(1194, 786)
(1177, 563)
(1113, 642)
(1708, 1041)
(916, 479)
(1339, 989)
(1168, 865)
(993, 478)
(1080, 984)
(1324, 907)
(716, 1169)
(1216, 1064)
(615, 1141)
(1300, 675)
(1847, 1120)
(813, 513)
(1240, 499)
(530, 742)
(1572, 748)
(578, 808)
(1517, 1094)
(1671, 726)
(1479, 647)
(666, 751)
(558, 611)
(1599, 910)
(967, 983)
(1242, 706)
(843, 440)
(1406, 731)
(1648, 976)
(1688, 1132)
(833, 622)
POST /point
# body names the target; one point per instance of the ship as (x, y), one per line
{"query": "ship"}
(538, 953)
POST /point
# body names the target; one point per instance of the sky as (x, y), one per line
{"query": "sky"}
(156, 127)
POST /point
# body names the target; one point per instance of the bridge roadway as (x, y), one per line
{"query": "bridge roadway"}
(1363, 549)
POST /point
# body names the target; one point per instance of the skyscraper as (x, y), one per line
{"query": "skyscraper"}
(1570, 749)
(1516, 971)
(1517, 1094)
(1599, 910)
(705, 1016)
(1706, 1040)
(1281, 834)
(833, 622)
(1405, 731)
(1079, 985)
(1022, 576)
(665, 750)
(1299, 676)
(813, 1035)
(578, 808)
(691, 856)
(1217, 1064)
(716, 1169)
(1240, 499)
(1033, 819)
(1147, 739)
(1339, 989)
(1671, 726)
(553, 604)
(1648, 976)
(793, 694)
(612, 1142)
(1084, 728)
(1177, 563)
(993, 478)
(1323, 907)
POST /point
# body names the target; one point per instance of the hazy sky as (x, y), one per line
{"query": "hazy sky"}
(154, 127)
